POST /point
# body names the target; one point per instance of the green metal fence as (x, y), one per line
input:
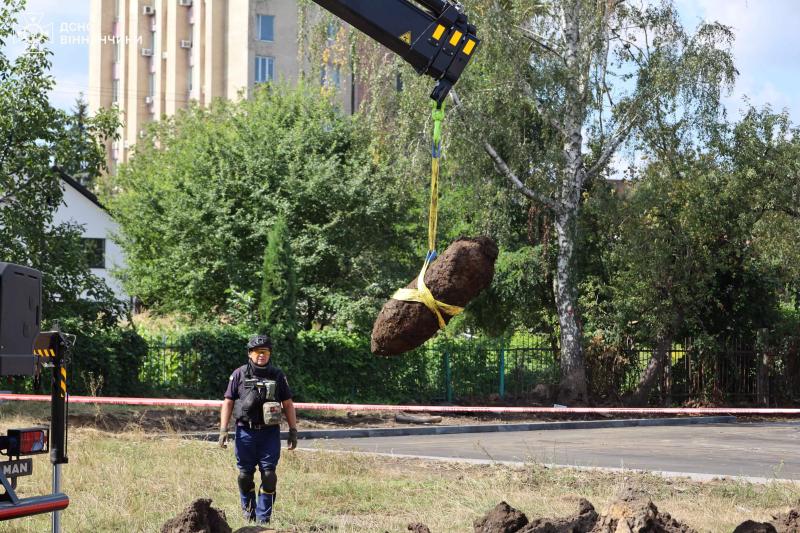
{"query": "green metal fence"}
(445, 370)
(523, 369)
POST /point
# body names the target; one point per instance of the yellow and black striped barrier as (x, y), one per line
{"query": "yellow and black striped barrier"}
(45, 352)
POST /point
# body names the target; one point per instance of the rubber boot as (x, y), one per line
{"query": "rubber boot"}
(247, 494)
(264, 509)
(248, 506)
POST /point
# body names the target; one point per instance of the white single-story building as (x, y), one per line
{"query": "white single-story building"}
(80, 206)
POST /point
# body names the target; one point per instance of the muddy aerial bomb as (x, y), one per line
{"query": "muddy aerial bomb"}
(452, 280)
(437, 39)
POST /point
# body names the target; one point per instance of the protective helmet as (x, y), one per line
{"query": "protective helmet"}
(259, 341)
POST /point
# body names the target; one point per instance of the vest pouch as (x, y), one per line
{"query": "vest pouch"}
(270, 387)
(248, 408)
(272, 413)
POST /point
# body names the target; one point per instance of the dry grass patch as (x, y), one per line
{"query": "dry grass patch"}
(132, 482)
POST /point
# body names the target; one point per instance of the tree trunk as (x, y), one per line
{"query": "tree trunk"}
(762, 361)
(573, 372)
(651, 374)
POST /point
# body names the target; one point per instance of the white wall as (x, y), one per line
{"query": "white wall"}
(97, 224)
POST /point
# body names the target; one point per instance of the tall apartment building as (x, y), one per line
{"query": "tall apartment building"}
(152, 57)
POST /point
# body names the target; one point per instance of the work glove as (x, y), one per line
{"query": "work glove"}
(223, 438)
(291, 440)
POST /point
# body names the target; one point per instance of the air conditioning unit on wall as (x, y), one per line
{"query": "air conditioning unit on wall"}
(187, 3)
(147, 52)
(148, 10)
(185, 43)
(148, 100)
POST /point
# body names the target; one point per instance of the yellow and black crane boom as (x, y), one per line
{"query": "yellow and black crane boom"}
(433, 36)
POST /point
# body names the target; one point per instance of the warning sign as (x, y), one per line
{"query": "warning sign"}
(406, 38)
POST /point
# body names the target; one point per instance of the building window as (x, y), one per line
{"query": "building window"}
(189, 78)
(332, 30)
(265, 69)
(95, 252)
(151, 85)
(114, 91)
(330, 76)
(266, 28)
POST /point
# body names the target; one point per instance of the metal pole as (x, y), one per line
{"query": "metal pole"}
(58, 420)
(502, 390)
(56, 490)
(447, 378)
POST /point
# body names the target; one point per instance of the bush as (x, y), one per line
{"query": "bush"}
(328, 366)
(107, 363)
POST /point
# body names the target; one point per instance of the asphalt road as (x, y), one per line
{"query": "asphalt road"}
(753, 450)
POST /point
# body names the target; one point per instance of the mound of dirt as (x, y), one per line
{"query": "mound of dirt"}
(630, 512)
(418, 528)
(788, 522)
(455, 277)
(502, 519)
(583, 520)
(634, 511)
(199, 517)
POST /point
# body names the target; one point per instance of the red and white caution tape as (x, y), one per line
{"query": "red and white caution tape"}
(185, 402)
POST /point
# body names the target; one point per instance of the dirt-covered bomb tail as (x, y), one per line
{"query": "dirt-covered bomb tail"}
(457, 276)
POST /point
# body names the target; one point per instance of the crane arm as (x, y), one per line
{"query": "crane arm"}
(434, 36)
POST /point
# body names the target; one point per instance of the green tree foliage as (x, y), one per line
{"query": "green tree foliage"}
(205, 187)
(552, 95)
(691, 247)
(81, 151)
(33, 136)
(30, 189)
(278, 305)
(764, 148)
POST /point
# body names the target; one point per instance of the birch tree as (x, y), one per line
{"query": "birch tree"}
(597, 73)
(556, 91)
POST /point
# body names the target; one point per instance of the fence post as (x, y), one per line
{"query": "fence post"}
(761, 352)
(448, 384)
(502, 386)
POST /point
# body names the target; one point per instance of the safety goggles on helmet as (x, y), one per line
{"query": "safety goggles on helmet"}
(259, 341)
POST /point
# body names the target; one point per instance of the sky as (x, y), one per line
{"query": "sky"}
(767, 47)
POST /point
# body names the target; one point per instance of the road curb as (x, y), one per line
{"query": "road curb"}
(694, 476)
(484, 428)
(492, 428)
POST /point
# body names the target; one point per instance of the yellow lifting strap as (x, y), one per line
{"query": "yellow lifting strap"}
(422, 294)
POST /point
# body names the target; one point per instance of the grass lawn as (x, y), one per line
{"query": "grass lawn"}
(132, 482)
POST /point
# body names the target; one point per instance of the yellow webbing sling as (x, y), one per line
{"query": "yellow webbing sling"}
(422, 294)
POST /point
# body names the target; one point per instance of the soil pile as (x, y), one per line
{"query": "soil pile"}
(631, 512)
(455, 277)
(788, 522)
(583, 520)
(199, 517)
(502, 519)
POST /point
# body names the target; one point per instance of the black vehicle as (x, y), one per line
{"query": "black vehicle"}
(25, 351)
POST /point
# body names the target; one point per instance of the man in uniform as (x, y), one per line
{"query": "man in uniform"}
(255, 394)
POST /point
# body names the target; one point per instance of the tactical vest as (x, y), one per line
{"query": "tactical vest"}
(258, 405)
